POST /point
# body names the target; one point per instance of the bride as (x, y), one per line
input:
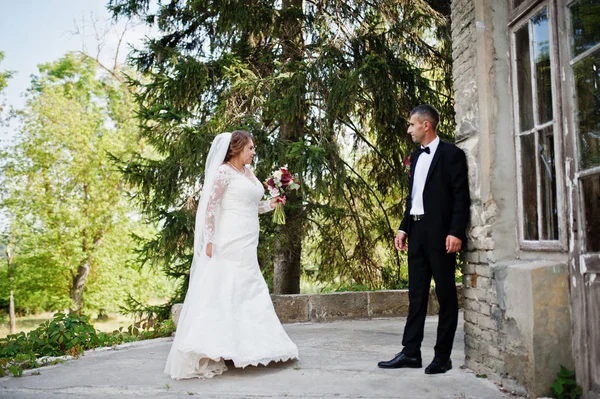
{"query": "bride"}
(227, 313)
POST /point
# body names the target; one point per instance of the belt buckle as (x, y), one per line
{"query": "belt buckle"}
(417, 218)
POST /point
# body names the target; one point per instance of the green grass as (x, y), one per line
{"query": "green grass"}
(31, 322)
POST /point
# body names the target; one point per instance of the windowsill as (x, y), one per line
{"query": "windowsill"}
(555, 246)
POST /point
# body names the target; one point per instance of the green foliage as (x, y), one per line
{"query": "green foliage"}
(565, 386)
(4, 75)
(72, 222)
(325, 88)
(67, 335)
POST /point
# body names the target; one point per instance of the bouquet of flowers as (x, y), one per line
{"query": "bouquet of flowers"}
(280, 184)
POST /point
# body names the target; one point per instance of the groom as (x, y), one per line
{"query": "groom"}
(434, 223)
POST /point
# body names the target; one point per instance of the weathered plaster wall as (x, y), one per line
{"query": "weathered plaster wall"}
(511, 326)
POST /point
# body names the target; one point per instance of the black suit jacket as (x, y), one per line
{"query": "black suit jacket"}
(446, 197)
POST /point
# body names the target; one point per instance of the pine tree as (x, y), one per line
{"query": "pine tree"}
(324, 86)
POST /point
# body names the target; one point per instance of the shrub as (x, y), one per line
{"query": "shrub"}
(565, 386)
(66, 335)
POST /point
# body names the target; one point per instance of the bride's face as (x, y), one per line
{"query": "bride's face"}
(247, 154)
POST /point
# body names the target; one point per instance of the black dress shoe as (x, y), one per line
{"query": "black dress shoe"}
(438, 366)
(401, 360)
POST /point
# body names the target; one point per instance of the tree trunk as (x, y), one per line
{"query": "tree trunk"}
(288, 248)
(11, 302)
(78, 286)
(288, 238)
(11, 313)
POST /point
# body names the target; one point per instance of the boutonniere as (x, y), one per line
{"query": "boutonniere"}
(406, 163)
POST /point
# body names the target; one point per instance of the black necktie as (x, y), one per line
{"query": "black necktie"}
(425, 149)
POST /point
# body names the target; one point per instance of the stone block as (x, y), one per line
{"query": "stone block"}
(472, 257)
(471, 353)
(478, 294)
(493, 351)
(487, 322)
(483, 282)
(433, 307)
(459, 293)
(466, 280)
(491, 257)
(388, 303)
(291, 308)
(494, 363)
(468, 268)
(470, 316)
(339, 305)
(484, 308)
(470, 304)
(536, 318)
(176, 312)
(484, 270)
(471, 330)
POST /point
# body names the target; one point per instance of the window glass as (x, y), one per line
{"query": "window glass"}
(585, 25)
(541, 59)
(548, 180)
(587, 84)
(591, 203)
(529, 187)
(524, 79)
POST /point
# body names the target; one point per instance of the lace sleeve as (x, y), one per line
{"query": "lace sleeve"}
(264, 206)
(218, 189)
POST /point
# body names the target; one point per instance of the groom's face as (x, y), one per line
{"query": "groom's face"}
(417, 128)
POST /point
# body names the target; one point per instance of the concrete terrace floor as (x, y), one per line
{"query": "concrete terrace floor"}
(337, 360)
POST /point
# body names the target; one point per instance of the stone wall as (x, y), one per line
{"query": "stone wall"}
(342, 305)
(513, 332)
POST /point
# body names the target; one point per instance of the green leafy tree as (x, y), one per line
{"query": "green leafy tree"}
(70, 216)
(4, 75)
(5, 249)
(324, 87)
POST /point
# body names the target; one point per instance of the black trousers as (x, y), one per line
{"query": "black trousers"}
(424, 261)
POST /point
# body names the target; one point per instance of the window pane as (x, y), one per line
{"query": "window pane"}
(541, 58)
(591, 202)
(528, 181)
(548, 180)
(524, 78)
(587, 83)
(585, 25)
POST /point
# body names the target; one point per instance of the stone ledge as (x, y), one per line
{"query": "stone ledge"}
(342, 305)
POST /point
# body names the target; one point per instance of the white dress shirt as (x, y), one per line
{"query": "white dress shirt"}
(421, 170)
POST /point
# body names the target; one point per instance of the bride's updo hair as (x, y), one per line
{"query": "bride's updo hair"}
(239, 140)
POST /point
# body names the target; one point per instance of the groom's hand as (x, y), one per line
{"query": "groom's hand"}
(453, 244)
(209, 250)
(400, 241)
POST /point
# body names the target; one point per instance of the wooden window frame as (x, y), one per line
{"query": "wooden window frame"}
(521, 17)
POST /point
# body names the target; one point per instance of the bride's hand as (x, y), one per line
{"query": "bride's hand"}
(277, 200)
(209, 250)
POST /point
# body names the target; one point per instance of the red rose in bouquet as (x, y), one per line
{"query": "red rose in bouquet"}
(280, 184)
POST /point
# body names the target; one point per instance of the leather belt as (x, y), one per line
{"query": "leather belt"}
(417, 218)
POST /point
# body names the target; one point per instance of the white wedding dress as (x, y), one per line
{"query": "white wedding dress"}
(227, 313)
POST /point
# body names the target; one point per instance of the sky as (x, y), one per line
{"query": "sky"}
(34, 32)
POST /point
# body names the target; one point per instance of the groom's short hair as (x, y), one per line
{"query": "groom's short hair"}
(427, 112)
